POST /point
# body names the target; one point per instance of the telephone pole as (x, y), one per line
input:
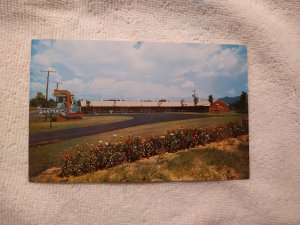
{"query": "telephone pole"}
(194, 93)
(48, 73)
(57, 83)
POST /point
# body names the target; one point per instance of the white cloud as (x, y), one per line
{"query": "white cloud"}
(36, 87)
(225, 62)
(153, 58)
(231, 92)
(188, 84)
(110, 68)
(112, 88)
(177, 80)
(75, 85)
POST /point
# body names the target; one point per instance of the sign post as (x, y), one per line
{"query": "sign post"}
(50, 119)
(50, 111)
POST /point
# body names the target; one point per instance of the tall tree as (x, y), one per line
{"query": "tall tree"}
(51, 103)
(39, 95)
(88, 103)
(196, 99)
(210, 99)
(40, 99)
(243, 100)
(182, 102)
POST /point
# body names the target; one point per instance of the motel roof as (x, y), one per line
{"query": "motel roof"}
(103, 103)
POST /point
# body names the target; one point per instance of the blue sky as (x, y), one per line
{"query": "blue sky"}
(139, 70)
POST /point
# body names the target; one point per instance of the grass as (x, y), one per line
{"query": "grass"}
(207, 164)
(41, 126)
(228, 159)
(47, 156)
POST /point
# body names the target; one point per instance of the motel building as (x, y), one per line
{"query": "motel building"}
(119, 106)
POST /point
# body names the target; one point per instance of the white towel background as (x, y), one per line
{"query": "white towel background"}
(271, 31)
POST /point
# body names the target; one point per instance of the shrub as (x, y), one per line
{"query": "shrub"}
(89, 157)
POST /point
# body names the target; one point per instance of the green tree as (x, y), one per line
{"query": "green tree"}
(243, 100)
(40, 95)
(88, 103)
(182, 102)
(210, 99)
(41, 101)
(50, 103)
(243, 103)
(196, 99)
(38, 100)
(33, 102)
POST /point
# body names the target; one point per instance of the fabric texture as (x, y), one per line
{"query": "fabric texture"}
(271, 31)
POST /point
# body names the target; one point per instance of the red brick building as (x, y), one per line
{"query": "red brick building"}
(219, 106)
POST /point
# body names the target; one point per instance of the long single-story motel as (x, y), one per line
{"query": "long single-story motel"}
(66, 104)
(94, 106)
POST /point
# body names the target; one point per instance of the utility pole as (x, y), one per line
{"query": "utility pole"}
(48, 73)
(57, 83)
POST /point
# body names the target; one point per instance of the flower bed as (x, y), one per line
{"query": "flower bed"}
(90, 157)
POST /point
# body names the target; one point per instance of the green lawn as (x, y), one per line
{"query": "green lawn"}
(41, 126)
(44, 157)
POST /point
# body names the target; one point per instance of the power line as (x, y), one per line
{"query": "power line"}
(35, 78)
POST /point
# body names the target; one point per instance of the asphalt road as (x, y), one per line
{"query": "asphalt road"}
(138, 119)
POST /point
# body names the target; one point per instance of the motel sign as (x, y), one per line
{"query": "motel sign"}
(46, 111)
(50, 111)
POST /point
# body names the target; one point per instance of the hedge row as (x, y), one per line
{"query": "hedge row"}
(92, 157)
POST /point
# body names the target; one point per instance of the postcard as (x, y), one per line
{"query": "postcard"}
(135, 111)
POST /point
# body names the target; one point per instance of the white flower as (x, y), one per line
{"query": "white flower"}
(100, 142)
(172, 134)
(106, 143)
(115, 135)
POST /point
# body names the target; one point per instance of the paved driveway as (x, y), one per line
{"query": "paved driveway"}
(138, 119)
